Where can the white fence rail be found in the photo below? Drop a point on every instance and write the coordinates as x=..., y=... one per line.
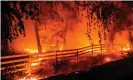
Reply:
x=25, y=60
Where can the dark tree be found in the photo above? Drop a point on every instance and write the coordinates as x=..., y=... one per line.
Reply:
x=12, y=14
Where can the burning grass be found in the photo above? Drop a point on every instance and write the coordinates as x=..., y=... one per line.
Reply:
x=64, y=66
x=47, y=68
x=43, y=68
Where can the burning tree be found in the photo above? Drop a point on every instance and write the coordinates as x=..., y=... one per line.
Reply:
x=12, y=19
x=108, y=17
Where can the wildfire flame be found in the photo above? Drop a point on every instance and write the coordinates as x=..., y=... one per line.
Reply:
x=108, y=59
x=33, y=50
x=125, y=48
x=31, y=78
x=61, y=48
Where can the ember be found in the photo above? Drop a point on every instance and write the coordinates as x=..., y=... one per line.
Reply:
x=108, y=59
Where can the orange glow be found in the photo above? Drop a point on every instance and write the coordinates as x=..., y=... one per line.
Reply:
x=31, y=78
x=61, y=48
x=126, y=47
x=108, y=59
x=34, y=64
x=33, y=50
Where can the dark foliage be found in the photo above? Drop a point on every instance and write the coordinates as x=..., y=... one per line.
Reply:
x=12, y=14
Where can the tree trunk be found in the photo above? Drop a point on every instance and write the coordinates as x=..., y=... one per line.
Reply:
x=38, y=38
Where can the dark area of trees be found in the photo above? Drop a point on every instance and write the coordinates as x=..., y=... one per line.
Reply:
x=12, y=14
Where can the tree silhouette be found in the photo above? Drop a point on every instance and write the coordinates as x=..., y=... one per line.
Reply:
x=12, y=23
x=117, y=12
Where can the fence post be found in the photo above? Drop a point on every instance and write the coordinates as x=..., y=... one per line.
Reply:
x=56, y=58
x=92, y=49
x=77, y=55
x=130, y=48
x=108, y=47
x=101, y=48
x=30, y=64
x=121, y=48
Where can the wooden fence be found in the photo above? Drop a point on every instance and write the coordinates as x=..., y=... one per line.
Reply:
x=23, y=62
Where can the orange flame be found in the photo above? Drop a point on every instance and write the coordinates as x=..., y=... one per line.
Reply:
x=107, y=59
x=31, y=78
x=33, y=50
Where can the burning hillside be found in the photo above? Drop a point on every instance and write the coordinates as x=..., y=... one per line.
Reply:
x=57, y=33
